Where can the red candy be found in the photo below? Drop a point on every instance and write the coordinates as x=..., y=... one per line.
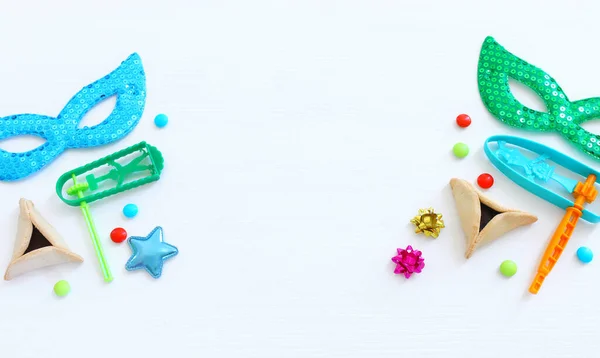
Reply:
x=485, y=181
x=118, y=235
x=463, y=120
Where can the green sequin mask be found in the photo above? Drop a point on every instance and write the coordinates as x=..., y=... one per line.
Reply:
x=496, y=66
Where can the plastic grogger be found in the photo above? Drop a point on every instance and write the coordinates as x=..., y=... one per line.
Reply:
x=583, y=193
x=526, y=172
x=126, y=169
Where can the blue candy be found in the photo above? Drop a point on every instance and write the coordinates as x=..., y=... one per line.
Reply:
x=584, y=254
x=130, y=210
x=161, y=120
x=127, y=83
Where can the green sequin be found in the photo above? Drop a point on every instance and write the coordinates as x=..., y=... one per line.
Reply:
x=496, y=66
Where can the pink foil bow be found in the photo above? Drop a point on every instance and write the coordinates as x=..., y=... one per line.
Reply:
x=408, y=261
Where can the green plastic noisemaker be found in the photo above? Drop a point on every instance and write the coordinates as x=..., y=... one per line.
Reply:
x=126, y=169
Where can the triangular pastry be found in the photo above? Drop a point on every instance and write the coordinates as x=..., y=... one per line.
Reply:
x=482, y=219
x=37, y=245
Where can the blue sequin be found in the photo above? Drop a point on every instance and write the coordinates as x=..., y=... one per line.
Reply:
x=127, y=83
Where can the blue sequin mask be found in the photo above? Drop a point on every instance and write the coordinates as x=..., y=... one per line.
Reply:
x=127, y=83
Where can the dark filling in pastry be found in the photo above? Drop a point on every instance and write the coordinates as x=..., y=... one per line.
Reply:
x=37, y=241
x=487, y=214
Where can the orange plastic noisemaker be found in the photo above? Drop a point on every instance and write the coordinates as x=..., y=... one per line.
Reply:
x=525, y=172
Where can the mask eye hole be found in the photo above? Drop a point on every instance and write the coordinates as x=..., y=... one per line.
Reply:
x=21, y=143
x=592, y=126
x=98, y=113
x=526, y=96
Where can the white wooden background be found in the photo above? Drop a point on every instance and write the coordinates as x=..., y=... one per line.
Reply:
x=303, y=136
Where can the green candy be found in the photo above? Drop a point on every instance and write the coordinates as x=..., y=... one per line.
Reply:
x=460, y=150
x=508, y=268
x=62, y=288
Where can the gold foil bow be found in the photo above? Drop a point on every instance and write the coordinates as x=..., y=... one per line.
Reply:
x=428, y=222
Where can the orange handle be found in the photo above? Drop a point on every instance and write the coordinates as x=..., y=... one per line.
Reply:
x=583, y=193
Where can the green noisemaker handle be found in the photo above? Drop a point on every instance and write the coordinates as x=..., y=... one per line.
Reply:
x=85, y=208
x=497, y=65
x=126, y=169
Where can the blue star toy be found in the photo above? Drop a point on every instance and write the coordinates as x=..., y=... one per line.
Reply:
x=150, y=252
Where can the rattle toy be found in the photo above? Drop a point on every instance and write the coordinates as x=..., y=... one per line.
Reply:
x=482, y=219
x=37, y=245
x=127, y=83
x=527, y=172
x=496, y=66
x=126, y=169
